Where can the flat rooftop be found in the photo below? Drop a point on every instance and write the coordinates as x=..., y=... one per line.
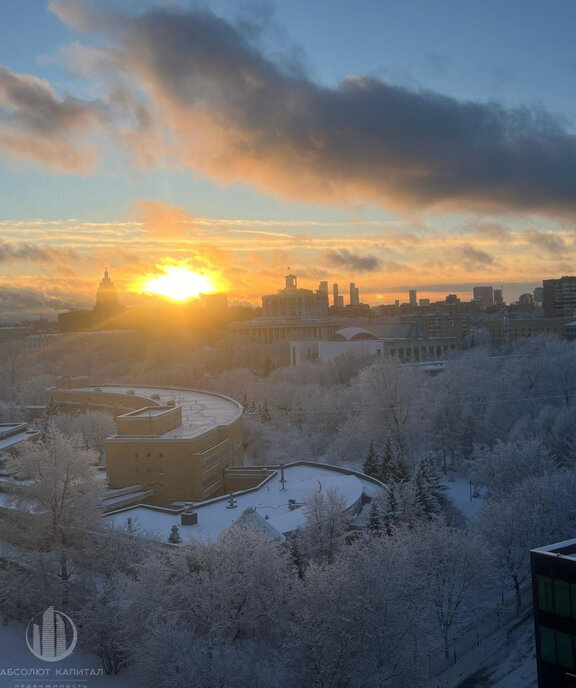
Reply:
x=14, y=433
x=201, y=411
x=269, y=500
x=566, y=548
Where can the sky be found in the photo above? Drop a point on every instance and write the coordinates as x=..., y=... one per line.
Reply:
x=395, y=144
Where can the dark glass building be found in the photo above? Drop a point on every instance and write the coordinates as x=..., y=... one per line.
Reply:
x=554, y=591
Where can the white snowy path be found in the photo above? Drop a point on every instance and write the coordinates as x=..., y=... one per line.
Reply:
x=14, y=654
x=458, y=492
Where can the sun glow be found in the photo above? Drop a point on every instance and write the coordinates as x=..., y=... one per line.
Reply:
x=178, y=283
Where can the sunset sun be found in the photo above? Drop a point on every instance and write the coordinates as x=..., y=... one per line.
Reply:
x=178, y=283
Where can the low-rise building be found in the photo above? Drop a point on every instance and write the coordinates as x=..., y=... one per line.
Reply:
x=273, y=504
x=176, y=442
x=402, y=341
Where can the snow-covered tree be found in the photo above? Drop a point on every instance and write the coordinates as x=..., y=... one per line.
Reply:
x=58, y=495
x=325, y=525
x=371, y=465
x=507, y=464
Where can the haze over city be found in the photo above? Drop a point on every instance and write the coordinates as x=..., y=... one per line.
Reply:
x=287, y=344
x=403, y=145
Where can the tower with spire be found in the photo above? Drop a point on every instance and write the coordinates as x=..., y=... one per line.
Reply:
x=106, y=296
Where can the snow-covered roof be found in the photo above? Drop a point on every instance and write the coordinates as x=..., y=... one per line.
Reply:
x=350, y=333
x=201, y=411
x=279, y=508
x=22, y=434
x=252, y=520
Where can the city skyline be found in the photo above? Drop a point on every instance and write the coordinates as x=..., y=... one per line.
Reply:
x=113, y=155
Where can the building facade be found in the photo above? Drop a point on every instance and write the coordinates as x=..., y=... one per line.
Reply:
x=295, y=302
x=403, y=342
x=176, y=442
x=554, y=595
x=504, y=330
x=559, y=297
x=484, y=295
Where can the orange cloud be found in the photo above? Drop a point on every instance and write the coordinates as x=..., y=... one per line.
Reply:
x=162, y=220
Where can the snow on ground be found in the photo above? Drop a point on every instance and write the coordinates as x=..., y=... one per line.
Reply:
x=504, y=660
x=14, y=654
x=458, y=491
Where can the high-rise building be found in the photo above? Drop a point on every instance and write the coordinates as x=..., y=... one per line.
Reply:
x=484, y=295
x=423, y=302
x=498, y=297
x=413, y=297
x=354, y=294
x=336, y=300
x=538, y=295
x=559, y=297
x=106, y=296
x=323, y=287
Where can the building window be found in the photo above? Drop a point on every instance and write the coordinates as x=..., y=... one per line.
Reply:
x=564, y=650
x=554, y=596
x=545, y=594
x=547, y=645
x=562, y=598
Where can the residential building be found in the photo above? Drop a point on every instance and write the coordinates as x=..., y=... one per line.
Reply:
x=526, y=299
x=504, y=329
x=559, y=297
x=484, y=295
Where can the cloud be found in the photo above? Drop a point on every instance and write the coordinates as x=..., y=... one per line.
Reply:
x=352, y=261
x=23, y=300
x=165, y=220
x=470, y=256
x=546, y=241
x=236, y=115
x=38, y=125
x=15, y=252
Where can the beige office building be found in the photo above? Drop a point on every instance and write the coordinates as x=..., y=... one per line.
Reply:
x=176, y=443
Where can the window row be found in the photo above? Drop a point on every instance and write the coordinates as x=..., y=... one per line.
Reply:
x=557, y=647
x=556, y=596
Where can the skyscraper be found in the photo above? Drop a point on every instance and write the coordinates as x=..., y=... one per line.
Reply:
x=354, y=294
x=413, y=297
x=106, y=296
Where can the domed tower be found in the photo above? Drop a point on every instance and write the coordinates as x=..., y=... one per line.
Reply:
x=106, y=296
